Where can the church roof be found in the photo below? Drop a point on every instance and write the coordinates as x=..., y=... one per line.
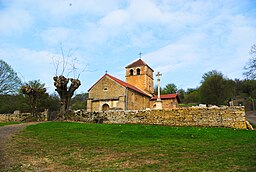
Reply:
x=137, y=63
x=126, y=85
x=167, y=96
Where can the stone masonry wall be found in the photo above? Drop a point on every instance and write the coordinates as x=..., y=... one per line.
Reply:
x=23, y=117
x=231, y=117
x=13, y=117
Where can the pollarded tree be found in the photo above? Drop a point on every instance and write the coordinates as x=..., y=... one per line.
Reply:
x=65, y=86
x=34, y=90
x=65, y=91
x=251, y=65
x=9, y=80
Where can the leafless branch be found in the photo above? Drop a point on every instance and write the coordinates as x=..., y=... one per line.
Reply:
x=56, y=63
x=64, y=60
x=84, y=69
x=68, y=63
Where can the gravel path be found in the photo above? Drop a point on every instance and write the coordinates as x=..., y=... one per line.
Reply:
x=6, y=132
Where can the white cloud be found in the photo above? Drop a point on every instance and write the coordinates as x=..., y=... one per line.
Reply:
x=144, y=11
x=14, y=21
x=57, y=35
x=114, y=19
x=177, y=54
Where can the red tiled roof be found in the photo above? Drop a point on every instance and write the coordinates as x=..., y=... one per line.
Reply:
x=137, y=63
x=167, y=96
x=126, y=85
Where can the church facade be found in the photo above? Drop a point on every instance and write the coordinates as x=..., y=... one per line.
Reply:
x=137, y=93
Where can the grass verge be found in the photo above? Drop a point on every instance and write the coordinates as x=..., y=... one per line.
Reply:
x=57, y=146
x=8, y=123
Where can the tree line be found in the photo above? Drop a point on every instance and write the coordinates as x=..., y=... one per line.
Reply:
x=215, y=89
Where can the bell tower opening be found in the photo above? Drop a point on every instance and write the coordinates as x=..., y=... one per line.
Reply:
x=131, y=72
x=138, y=71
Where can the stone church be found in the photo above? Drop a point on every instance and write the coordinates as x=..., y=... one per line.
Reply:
x=137, y=93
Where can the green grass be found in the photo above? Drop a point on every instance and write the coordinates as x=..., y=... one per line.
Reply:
x=58, y=146
x=8, y=123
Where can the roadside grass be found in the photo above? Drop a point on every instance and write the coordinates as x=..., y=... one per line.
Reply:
x=8, y=123
x=63, y=146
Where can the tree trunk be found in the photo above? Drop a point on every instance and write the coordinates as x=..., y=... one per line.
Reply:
x=65, y=92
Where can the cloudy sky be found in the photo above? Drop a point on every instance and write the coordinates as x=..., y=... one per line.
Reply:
x=183, y=39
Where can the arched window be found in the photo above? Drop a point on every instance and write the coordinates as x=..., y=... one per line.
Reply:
x=131, y=72
x=138, y=71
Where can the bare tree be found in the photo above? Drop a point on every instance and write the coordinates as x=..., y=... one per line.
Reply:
x=65, y=86
x=251, y=64
x=9, y=80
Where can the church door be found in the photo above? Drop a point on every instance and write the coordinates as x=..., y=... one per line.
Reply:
x=105, y=107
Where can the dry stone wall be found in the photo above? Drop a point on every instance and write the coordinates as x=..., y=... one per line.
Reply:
x=23, y=117
x=231, y=117
x=13, y=117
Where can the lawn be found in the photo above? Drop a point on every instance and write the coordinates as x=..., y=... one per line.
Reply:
x=8, y=123
x=63, y=146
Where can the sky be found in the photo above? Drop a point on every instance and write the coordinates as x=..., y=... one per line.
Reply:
x=182, y=39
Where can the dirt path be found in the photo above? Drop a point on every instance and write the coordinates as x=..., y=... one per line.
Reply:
x=251, y=117
x=6, y=132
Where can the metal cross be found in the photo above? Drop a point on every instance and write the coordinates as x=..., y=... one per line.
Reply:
x=106, y=71
x=140, y=54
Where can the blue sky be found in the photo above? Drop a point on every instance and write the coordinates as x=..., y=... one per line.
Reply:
x=183, y=39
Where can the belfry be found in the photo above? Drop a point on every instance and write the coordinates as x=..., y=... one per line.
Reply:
x=140, y=75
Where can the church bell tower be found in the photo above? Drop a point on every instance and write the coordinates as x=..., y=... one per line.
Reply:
x=140, y=75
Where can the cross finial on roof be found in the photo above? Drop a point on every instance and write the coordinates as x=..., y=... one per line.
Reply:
x=140, y=54
x=106, y=72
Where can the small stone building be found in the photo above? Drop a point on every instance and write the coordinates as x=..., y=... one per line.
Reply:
x=169, y=101
x=137, y=93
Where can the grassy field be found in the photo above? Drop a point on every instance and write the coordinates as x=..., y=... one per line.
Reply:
x=8, y=123
x=56, y=146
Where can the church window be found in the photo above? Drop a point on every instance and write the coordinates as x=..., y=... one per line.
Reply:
x=138, y=71
x=131, y=72
x=105, y=89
